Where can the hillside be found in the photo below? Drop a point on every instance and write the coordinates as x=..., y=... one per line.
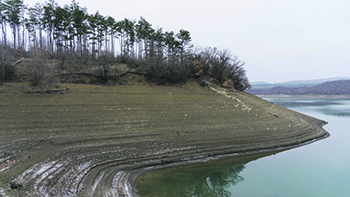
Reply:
x=95, y=140
x=296, y=83
x=341, y=87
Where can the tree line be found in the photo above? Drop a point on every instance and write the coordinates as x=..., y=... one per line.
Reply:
x=70, y=34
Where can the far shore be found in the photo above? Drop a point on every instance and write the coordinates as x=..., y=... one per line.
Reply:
x=305, y=96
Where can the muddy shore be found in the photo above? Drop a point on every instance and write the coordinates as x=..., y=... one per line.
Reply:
x=96, y=140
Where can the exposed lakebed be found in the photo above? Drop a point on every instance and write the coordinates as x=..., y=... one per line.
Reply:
x=95, y=140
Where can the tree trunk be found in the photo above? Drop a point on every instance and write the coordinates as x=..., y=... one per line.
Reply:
x=23, y=45
x=146, y=48
x=93, y=50
x=85, y=44
x=51, y=41
x=3, y=25
x=112, y=44
x=121, y=45
x=18, y=36
x=2, y=73
x=48, y=42
x=29, y=42
x=79, y=45
x=14, y=38
x=40, y=37
x=106, y=43
x=2, y=62
x=140, y=50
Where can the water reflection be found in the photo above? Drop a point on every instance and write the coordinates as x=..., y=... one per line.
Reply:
x=343, y=112
x=295, y=102
x=194, y=182
x=333, y=107
x=209, y=179
x=217, y=182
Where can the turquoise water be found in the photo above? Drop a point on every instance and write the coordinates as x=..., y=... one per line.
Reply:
x=320, y=169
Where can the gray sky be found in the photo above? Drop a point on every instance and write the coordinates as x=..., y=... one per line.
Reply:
x=280, y=40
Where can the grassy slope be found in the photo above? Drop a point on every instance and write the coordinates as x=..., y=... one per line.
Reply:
x=76, y=143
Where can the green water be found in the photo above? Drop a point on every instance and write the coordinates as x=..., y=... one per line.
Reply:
x=320, y=169
x=211, y=178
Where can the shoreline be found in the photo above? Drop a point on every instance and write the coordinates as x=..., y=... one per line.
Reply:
x=129, y=178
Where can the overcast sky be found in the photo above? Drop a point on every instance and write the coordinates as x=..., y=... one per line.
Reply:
x=279, y=40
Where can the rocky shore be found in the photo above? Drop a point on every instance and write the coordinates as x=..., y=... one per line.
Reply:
x=96, y=140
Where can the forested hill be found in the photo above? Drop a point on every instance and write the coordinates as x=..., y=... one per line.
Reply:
x=55, y=41
x=341, y=87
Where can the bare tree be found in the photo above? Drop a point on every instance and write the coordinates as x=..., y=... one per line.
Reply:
x=224, y=67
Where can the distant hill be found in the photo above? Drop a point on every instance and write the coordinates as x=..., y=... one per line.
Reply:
x=297, y=83
x=340, y=87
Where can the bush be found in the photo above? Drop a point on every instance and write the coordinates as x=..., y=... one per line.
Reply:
x=36, y=71
x=7, y=72
x=131, y=62
x=36, y=78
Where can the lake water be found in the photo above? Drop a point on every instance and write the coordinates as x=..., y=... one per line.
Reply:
x=320, y=169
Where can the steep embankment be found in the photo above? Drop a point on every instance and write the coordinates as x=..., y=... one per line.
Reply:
x=95, y=140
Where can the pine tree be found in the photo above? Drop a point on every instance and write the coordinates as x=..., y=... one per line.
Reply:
x=13, y=10
x=3, y=22
x=79, y=18
x=48, y=23
x=34, y=23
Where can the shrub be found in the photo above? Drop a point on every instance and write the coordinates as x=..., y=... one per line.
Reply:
x=198, y=69
x=36, y=71
x=36, y=78
x=7, y=72
x=131, y=62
